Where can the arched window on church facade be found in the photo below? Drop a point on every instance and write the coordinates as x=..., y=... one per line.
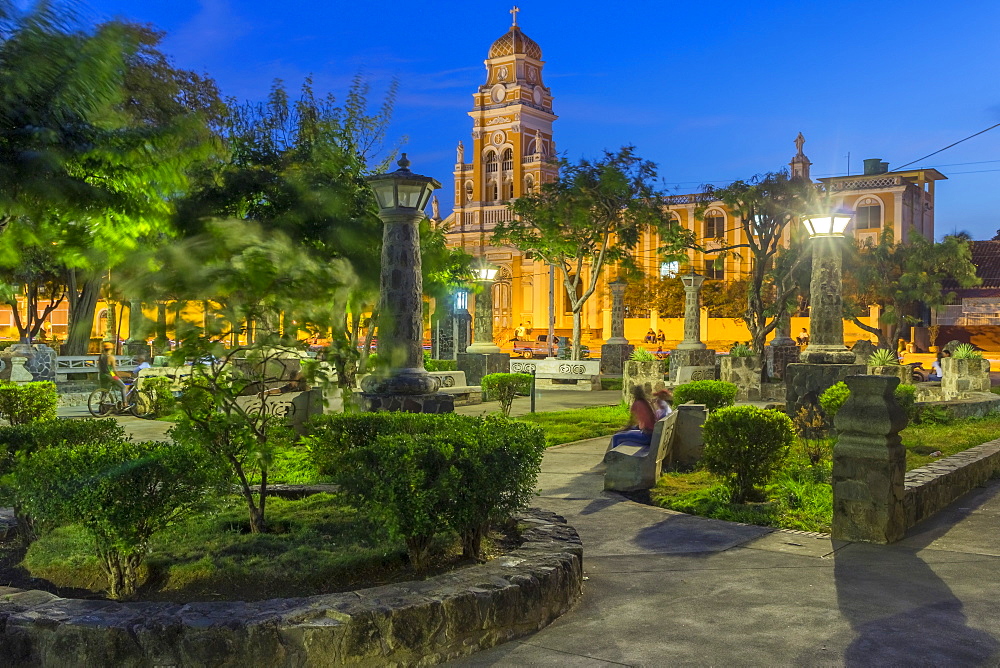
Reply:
x=491, y=162
x=529, y=184
x=868, y=214
x=494, y=190
x=507, y=160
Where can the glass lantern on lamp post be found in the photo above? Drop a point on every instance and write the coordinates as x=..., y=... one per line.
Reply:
x=402, y=196
x=826, y=317
x=482, y=324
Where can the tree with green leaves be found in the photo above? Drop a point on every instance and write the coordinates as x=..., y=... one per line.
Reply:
x=899, y=277
x=593, y=214
x=765, y=208
x=97, y=134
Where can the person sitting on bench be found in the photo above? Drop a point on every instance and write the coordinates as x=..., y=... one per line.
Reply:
x=642, y=417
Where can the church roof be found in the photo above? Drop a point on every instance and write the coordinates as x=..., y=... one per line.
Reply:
x=515, y=42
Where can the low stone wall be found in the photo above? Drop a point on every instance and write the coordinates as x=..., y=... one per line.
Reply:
x=973, y=404
x=424, y=622
x=930, y=488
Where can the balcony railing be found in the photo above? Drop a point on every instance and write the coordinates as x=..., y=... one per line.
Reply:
x=868, y=184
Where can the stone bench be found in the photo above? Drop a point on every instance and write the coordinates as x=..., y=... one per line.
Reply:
x=633, y=467
x=552, y=374
x=455, y=383
x=295, y=407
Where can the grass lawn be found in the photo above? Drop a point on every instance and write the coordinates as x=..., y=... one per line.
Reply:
x=578, y=424
x=800, y=497
x=317, y=545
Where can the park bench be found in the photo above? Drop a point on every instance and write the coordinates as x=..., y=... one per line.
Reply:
x=632, y=467
x=455, y=384
x=295, y=407
x=73, y=365
x=554, y=374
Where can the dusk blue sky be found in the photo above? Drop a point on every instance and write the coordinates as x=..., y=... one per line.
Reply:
x=710, y=91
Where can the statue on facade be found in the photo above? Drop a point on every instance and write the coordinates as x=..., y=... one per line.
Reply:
x=799, y=141
x=435, y=209
x=460, y=153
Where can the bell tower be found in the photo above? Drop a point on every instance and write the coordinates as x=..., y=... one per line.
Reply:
x=511, y=134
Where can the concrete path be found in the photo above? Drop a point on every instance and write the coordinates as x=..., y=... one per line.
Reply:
x=667, y=589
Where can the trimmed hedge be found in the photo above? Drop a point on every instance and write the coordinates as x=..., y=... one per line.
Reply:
x=746, y=446
x=22, y=403
x=714, y=394
x=425, y=474
x=836, y=395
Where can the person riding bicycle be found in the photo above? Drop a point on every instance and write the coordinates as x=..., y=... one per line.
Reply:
x=107, y=370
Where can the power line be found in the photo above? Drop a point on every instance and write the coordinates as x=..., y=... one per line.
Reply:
x=996, y=125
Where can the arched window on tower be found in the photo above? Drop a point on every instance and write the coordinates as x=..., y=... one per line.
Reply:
x=494, y=189
x=491, y=162
x=868, y=215
x=469, y=189
x=529, y=184
x=508, y=188
x=507, y=160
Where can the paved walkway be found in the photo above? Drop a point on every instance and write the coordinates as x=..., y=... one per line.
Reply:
x=667, y=589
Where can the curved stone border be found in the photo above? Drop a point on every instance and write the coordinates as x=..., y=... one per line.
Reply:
x=425, y=621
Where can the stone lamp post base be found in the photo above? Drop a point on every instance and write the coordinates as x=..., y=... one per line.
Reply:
x=477, y=365
x=820, y=354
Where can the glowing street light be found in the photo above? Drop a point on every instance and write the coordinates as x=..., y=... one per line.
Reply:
x=826, y=313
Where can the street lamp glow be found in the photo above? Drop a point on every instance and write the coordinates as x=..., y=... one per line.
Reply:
x=402, y=189
x=486, y=272
x=830, y=224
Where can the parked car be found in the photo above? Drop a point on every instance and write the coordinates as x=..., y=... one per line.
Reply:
x=540, y=347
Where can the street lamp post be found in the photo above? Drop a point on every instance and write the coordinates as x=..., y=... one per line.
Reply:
x=402, y=196
x=482, y=334
x=826, y=317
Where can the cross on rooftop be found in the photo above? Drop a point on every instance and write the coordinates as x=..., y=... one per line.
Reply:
x=513, y=13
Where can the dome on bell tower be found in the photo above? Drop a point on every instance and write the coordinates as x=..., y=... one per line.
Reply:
x=515, y=42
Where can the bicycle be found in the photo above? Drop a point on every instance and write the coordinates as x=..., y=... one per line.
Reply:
x=103, y=401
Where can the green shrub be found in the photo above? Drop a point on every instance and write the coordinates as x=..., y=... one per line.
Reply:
x=741, y=350
x=427, y=473
x=121, y=492
x=746, y=446
x=21, y=403
x=834, y=397
x=883, y=357
x=933, y=415
x=330, y=436
x=159, y=390
x=616, y=384
x=642, y=355
x=21, y=441
x=966, y=351
x=497, y=471
x=503, y=387
x=715, y=394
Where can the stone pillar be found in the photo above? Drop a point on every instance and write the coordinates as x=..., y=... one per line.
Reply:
x=782, y=350
x=406, y=385
x=826, y=314
x=691, y=351
x=616, y=349
x=161, y=345
x=869, y=463
x=482, y=322
x=110, y=319
x=136, y=342
x=692, y=312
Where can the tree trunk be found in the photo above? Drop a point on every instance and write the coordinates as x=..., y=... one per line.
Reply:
x=122, y=571
x=81, y=315
x=472, y=541
x=576, y=333
x=882, y=342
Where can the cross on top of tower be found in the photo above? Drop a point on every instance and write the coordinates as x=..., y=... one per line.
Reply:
x=513, y=12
